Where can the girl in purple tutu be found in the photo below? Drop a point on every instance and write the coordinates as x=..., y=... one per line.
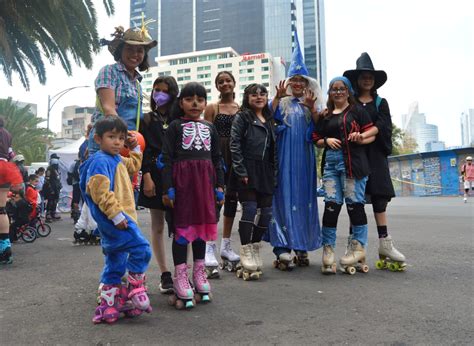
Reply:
x=193, y=180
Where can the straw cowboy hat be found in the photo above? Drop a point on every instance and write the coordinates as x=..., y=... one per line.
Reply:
x=364, y=64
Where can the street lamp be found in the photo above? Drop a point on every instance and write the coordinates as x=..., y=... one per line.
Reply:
x=52, y=100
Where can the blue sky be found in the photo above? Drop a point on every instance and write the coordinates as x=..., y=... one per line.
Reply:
x=426, y=48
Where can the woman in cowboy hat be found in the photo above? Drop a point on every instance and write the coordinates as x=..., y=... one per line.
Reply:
x=379, y=190
x=295, y=224
x=118, y=85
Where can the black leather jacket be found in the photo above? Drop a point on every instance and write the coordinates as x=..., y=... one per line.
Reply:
x=249, y=138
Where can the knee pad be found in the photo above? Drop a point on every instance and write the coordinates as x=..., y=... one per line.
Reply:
x=379, y=205
x=230, y=206
x=331, y=214
x=249, y=210
x=357, y=214
x=3, y=210
x=265, y=217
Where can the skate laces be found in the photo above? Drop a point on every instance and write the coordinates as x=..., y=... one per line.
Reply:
x=183, y=280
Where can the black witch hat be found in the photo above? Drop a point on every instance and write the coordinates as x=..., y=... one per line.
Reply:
x=364, y=64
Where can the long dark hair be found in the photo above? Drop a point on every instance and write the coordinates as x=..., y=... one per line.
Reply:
x=252, y=89
x=142, y=67
x=230, y=75
x=173, y=90
x=189, y=90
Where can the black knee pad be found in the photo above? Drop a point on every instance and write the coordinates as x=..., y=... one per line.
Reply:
x=230, y=206
x=357, y=214
x=379, y=205
x=249, y=210
x=3, y=210
x=331, y=214
x=265, y=217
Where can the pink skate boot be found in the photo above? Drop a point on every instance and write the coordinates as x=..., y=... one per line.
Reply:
x=201, y=285
x=183, y=296
x=137, y=294
x=108, y=308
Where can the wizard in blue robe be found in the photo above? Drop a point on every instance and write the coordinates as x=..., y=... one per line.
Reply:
x=295, y=223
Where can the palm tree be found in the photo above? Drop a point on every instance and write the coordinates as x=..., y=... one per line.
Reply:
x=31, y=29
x=29, y=139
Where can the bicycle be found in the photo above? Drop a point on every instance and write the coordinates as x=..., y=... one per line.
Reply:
x=41, y=227
x=27, y=233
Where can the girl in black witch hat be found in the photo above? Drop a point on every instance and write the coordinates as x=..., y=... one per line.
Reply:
x=379, y=189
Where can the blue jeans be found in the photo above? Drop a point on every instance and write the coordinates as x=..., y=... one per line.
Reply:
x=337, y=189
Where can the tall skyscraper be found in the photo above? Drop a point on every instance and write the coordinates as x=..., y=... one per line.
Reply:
x=248, y=26
x=414, y=123
x=467, y=128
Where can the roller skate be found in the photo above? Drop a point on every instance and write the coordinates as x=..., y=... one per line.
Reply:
x=201, y=285
x=183, y=296
x=301, y=259
x=390, y=257
x=81, y=237
x=212, y=266
x=136, y=292
x=166, y=283
x=229, y=258
x=354, y=259
x=247, y=269
x=284, y=262
x=94, y=238
x=55, y=216
x=329, y=265
x=257, y=258
x=6, y=256
x=108, y=309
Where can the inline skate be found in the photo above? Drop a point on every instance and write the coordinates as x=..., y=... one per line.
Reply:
x=108, y=308
x=354, y=259
x=390, y=257
x=136, y=292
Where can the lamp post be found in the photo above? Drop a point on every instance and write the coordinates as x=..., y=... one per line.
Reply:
x=52, y=100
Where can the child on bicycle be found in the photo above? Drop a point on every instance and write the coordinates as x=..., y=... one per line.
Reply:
x=32, y=195
x=20, y=212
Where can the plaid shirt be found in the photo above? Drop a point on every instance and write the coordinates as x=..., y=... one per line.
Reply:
x=127, y=91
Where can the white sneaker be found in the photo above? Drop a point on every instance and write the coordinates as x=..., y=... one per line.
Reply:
x=227, y=252
x=210, y=259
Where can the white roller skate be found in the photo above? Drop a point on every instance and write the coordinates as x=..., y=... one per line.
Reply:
x=183, y=296
x=390, y=257
x=354, y=259
x=247, y=269
x=229, y=258
x=257, y=258
x=329, y=265
x=212, y=266
x=284, y=262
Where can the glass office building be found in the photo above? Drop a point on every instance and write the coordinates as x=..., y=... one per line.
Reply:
x=248, y=26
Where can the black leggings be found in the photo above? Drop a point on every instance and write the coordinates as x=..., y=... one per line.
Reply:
x=180, y=252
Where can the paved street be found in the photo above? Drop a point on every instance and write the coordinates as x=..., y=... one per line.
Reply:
x=48, y=294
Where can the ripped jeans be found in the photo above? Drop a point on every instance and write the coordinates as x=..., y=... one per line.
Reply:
x=337, y=189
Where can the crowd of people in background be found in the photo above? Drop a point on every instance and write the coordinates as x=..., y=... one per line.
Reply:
x=197, y=159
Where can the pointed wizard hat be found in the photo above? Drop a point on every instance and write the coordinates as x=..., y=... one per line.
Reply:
x=364, y=64
x=298, y=68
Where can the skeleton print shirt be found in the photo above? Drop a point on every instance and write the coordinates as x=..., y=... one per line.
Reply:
x=188, y=139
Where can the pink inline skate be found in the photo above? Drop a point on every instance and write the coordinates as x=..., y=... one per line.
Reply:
x=108, y=309
x=137, y=294
x=183, y=296
x=201, y=284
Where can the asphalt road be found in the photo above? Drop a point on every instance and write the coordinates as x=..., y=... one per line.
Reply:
x=47, y=296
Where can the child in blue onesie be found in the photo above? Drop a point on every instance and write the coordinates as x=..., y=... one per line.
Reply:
x=105, y=183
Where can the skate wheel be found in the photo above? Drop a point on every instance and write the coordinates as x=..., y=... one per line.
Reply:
x=364, y=268
x=221, y=266
x=379, y=264
x=172, y=300
x=246, y=276
x=393, y=267
x=275, y=264
x=179, y=304
x=239, y=273
x=350, y=270
x=282, y=266
x=255, y=276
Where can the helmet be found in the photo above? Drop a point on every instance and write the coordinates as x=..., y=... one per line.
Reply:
x=469, y=158
x=18, y=158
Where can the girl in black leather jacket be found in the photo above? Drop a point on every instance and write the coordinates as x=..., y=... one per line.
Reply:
x=253, y=173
